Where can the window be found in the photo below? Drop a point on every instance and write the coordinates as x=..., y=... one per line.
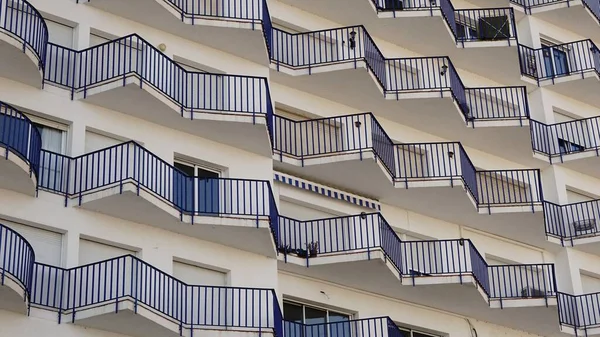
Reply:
x=92, y=251
x=556, y=61
x=192, y=274
x=196, y=189
x=407, y=332
x=325, y=323
x=59, y=33
x=566, y=147
x=52, y=163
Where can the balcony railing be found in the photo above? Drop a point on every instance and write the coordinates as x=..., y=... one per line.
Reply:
x=25, y=24
x=350, y=45
x=579, y=311
x=489, y=24
x=368, y=233
x=572, y=221
x=592, y=5
x=117, y=60
x=129, y=278
x=19, y=136
x=562, y=139
x=548, y=63
x=130, y=163
x=366, y=327
x=404, y=163
x=16, y=259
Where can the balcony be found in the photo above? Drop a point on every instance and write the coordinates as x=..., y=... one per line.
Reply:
x=422, y=92
x=445, y=274
x=238, y=27
x=128, y=296
x=132, y=76
x=367, y=327
x=480, y=34
x=20, y=145
x=571, y=69
x=574, y=144
x=129, y=182
x=16, y=266
x=355, y=153
x=574, y=224
x=23, y=40
x=579, y=16
x=579, y=315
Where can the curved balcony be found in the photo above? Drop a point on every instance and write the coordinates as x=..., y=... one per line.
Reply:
x=20, y=145
x=440, y=23
x=129, y=182
x=344, y=150
x=572, y=69
x=237, y=27
x=22, y=43
x=421, y=92
x=445, y=274
x=16, y=267
x=128, y=296
x=579, y=16
x=132, y=76
x=575, y=144
x=574, y=224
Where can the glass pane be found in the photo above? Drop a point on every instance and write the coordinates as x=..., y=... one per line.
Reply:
x=292, y=312
x=404, y=333
x=418, y=334
x=315, y=320
x=339, y=325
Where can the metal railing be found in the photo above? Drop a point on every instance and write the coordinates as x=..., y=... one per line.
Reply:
x=128, y=278
x=130, y=163
x=132, y=57
x=579, y=311
x=17, y=259
x=350, y=45
x=561, y=139
x=19, y=136
x=366, y=327
x=572, y=221
x=405, y=163
x=370, y=232
x=573, y=58
x=26, y=25
x=592, y=5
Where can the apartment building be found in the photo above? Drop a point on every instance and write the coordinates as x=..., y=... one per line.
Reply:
x=299, y=168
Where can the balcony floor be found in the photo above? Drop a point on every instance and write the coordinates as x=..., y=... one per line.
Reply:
x=239, y=232
x=581, y=87
x=444, y=293
x=573, y=17
x=14, y=174
x=11, y=296
x=17, y=65
x=235, y=37
x=150, y=104
x=587, y=163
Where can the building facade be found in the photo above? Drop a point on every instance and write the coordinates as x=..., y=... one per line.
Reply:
x=295, y=168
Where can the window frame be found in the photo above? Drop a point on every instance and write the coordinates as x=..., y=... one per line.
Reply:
x=304, y=305
x=64, y=129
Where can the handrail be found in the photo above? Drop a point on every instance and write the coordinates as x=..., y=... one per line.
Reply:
x=131, y=55
x=16, y=259
x=19, y=134
x=593, y=6
x=572, y=58
x=368, y=232
x=353, y=44
x=131, y=163
x=127, y=277
x=25, y=23
x=572, y=221
x=404, y=163
x=366, y=327
x=560, y=139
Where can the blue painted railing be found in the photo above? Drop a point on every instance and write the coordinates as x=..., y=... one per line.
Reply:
x=366, y=327
x=17, y=259
x=561, y=139
x=465, y=24
x=371, y=232
x=19, y=136
x=132, y=56
x=548, y=63
x=579, y=311
x=592, y=5
x=404, y=163
x=24, y=23
x=572, y=221
x=350, y=45
x=130, y=163
x=129, y=278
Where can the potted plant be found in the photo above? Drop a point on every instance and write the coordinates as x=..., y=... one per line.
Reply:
x=286, y=250
x=313, y=248
x=303, y=253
